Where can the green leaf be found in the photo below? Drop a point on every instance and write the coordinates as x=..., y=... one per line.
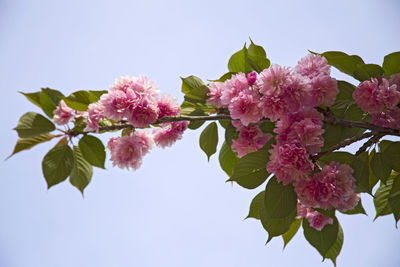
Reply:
x=360, y=166
x=391, y=155
x=209, y=139
x=257, y=58
x=194, y=89
x=225, y=77
x=380, y=167
x=227, y=159
x=238, y=62
x=338, y=156
x=93, y=150
x=345, y=96
x=343, y=62
x=28, y=143
x=80, y=100
x=337, y=246
x=329, y=213
x=255, y=206
x=32, y=124
x=230, y=134
x=291, y=232
x=57, y=164
x=391, y=64
x=276, y=227
x=98, y=94
x=49, y=99
x=323, y=240
x=250, y=170
x=267, y=127
x=366, y=71
x=279, y=200
x=381, y=196
x=33, y=98
x=394, y=198
x=82, y=171
x=373, y=180
x=358, y=209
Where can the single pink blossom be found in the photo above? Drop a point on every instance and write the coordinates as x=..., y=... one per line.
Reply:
x=290, y=163
x=245, y=107
x=323, y=90
x=168, y=106
x=318, y=220
x=232, y=87
x=312, y=66
x=62, y=114
x=143, y=115
x=301, y=210
x=214, y=94
x=112, y=143
x=169, y=133
x=115, y=104
x=250, y=139
x=274, y=81
x=94, y=115
x=388, y=119
x=251, y=78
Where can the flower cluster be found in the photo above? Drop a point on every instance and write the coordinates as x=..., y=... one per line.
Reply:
x=62, y=114
x=288, y=97
x=316, y=219
x=380, y=98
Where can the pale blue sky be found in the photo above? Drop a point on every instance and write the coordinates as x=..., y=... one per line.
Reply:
x=177, y=209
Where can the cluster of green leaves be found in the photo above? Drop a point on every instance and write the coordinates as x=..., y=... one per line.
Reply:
x=63, y=160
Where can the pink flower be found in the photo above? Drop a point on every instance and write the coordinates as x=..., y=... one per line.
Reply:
x=116, y=104
x=274, y=80
x=141, y=85
x=236, y=84
x=318, y=220
x=95, y=114
x=290, y=163
x=127, y=151
x=324, y=90
x=168, y=106
x=395, y=79
x=169, y=133
x=251, y=78
x=388, y=119
x=112, y=143
x=215, y=93
x=143, y=114
x=333, y=187
x=312, y=66
x=250, y=139
x=245, y=107
x=272, y=107
x=62, y=114
x=301, y=210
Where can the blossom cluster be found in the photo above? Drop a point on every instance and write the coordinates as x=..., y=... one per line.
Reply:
x=288, y=97
x=380, y=97
x=135, y=100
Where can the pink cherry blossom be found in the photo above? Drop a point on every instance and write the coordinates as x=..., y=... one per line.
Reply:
x=318, y=220
x=168, y=106
x=388, y=119
x=236, y=84
x=323, y=90
x=290, y=163
x=312, y=66
x=215, y=93
x=245, y=107
x=274, y=81
x=251, y=78
x=169, y=133
x=94, y=115
x=143, y=114
x=250, y=139
x=62, y=114
x=115, y=104
x=127, y=151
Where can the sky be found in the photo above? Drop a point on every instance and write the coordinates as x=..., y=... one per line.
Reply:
x=176, y=210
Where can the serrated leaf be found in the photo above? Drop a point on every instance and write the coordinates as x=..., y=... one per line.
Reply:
x=291, y=232
x=98, y=94
x=230, y=134
x=209, y=139
x=227, y=159
x=80, y=100
x=194, y=89
x=33, y=98
x=391, y=155
x=255, y=206
x=366, y=71
x=82, y=171
x=257, y=58
x=28, y=143
x=394, y=198
x=337, y=246
x=323, y=240
x=358, y=209
x=250, y=170
x=338, y=156
x=380, y=167
x=225, y=77
x=391, y=64
x=373, y=180
x=381, y=196
x=276, y=227
x=345, y=96
x=345, y=63
x=238, y=62
x=49, y=99
x=93, y=150
x=360, y=166
x=32, y=124
x=57, y=164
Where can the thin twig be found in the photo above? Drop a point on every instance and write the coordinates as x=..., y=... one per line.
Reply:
x=374, y=139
